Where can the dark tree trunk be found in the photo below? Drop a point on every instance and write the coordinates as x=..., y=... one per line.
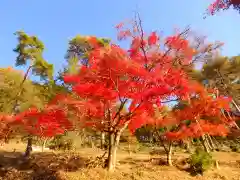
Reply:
x=205, y=144
x=29, y=147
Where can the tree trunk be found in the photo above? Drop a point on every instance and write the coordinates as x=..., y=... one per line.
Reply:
x=207, y=140
x=114, y=157
x=44, y=144
x=212, y=145
x=16, y=110
x=169, y=154
x=188, y=148
x=112, y=150
x=216, y=164
x=29, y=147
x=102, y=140
x=236, y=106
x=129, y=149
x=116, y=143
x=216, y=142
x=150, y=138
x=205, y=145
x=168, y=149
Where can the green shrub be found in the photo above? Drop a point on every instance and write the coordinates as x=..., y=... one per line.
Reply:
x=200, y=161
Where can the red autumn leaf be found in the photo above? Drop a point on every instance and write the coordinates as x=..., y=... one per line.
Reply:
x=153, y=39
x=120, y=25
x=93, y=42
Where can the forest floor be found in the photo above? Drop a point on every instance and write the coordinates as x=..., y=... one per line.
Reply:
x=134, y=166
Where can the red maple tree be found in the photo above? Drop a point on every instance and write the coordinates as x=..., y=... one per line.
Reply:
x=141, y=76
x=200, y=116
x=54, y=119
x=48, y=122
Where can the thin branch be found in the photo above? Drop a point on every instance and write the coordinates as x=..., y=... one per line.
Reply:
x=21, y=89
x=160, y=139
x=120, y=109
x=140, y=30
x=127, y=117
x=168, y=101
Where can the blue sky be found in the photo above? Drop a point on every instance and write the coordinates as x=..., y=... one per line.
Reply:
x=55, y=22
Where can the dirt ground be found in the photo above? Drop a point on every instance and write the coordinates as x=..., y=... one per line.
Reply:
x=135, y=166
x=142, y=166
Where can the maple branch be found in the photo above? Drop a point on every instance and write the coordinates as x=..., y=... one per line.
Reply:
x=119, y=96
x=140, y=30
x=170, y=100
x=124, y=127
x=109, y=119
x=202, y=133
x=116, y=87
x=120, y=108
x=160, y=139
x=127, y=116
x=170, y=48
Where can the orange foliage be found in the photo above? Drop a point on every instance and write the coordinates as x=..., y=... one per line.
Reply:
x=46, y=123
x=205, y=116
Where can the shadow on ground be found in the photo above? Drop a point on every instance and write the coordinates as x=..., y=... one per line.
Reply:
x=39, y=166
